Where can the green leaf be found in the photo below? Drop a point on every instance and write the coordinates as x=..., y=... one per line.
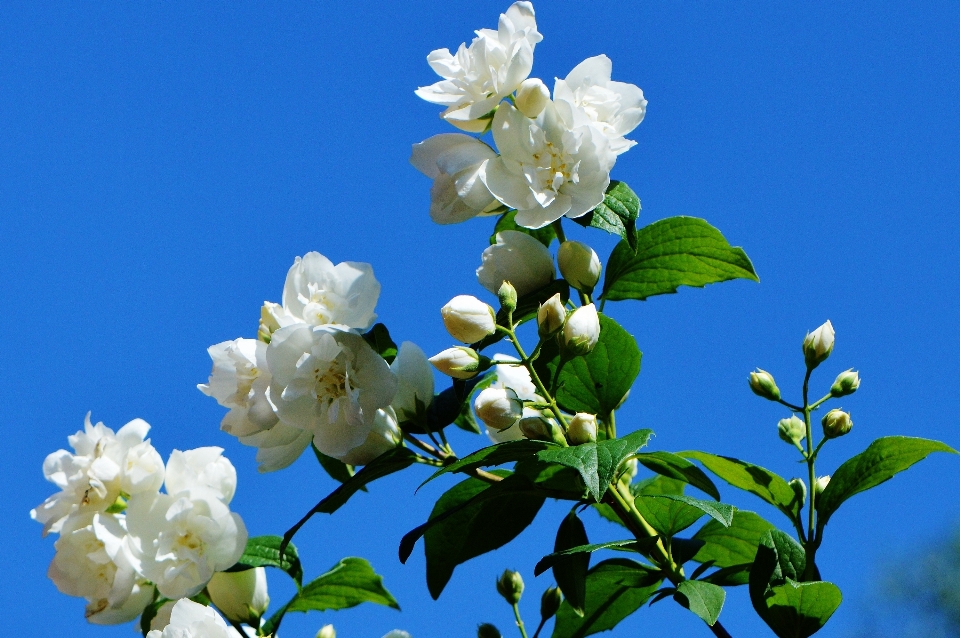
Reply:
x=379, y=339
x=702, y=598
x=337, y=469
x=598, y=382
x=617, y=214
x=882, y=459
x=752, y=478
x=492, y=455
x=150, y=612
x=631, y=544
x=264, y=551
x=720, y=512
x=667, y=516
x=673, y=252
x=570, y=570
x=615, y=589
x=527, y=307
x=730, y=576
x=733, y=545
x=684, y=549
x=557, y=481
x=677, y=467
x=597, y=462
x=507, y=221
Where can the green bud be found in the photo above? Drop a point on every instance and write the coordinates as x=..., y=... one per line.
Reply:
x=550, y=603
x=836, y=423
x=486, y=630
x=792, y=430
x=763, y=385
x=818, y=345
x=846, y=383
x=508, y=296
x=800, y=489
x=510, y=586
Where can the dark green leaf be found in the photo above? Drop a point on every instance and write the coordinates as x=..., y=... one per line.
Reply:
x=544, y=235
x=702, y=598
x=150, y=612
x=882, y=459
x=730, y=576
x=733, y=545
x=527, y=307
x=720, y=512
x=615, y=589
x=570, y=571
x=684, y=549
x=751, y=478
x=673, y=252
x=497, y=454
x=557, y=481
x=597, y=463
x=264, y=551
x=379, y=339
x=549, y=560
x=679, y=468
x=337, y=469
x=617, y=214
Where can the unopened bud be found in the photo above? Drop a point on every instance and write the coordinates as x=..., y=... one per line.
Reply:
x=579, y=265
x=532, y=97
x=550, y=603
x=459, y=362
x=818, y=345
x=763, y=385
x=792, y=430
x=468, y=319
x=847, y=383
x=800, y=489
x=510, y=586
x=821, y=484
x=582, y=428
x=498, y=408
x=508, y=296
x=836, y=423
x=327, y=631
x=551, y=316
x=581, y=332
x=240, y=596
x=629, y=471
x=540, y=428
x=486, y=630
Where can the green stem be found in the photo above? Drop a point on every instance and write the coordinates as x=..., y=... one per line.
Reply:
x=558, y=229
x=516, y=614
x=611, y=425
x=811, y=522
x=794, y=408
x=528, y=364
x=817, y=404
x=543, y=621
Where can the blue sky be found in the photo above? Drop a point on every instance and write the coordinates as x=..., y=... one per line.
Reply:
x=161, y=164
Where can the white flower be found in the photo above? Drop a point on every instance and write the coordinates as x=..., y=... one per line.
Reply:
x=518, y=258
x=468, y=319
x=457, y=362
x=319, y=293
x=579, y=265
x=203, y=467
x=240, y=381
x=532, y=97
x=491, y=68
x=92, y=563
x=414, y=381
x=193, y=620
x=588, y=96
x=240, y=596
x=384, y=436
x=453, y=161
x=103, y=464
x=279, y=446
x=330, y=383
x=581, y=332
x=547, y=170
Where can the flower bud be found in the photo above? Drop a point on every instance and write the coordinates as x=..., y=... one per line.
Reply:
x=532, y=97
x=763, y=385
x=629, y=471
x=836, y=423
x=581, y=332
x=847, y=383
x=540, y=428
x=459, y=362
x=551, y=316
x=582, y=428
x=818, y=345
x=486, y=630
x=240, y=596
x=468, y=319
x=508, y=296
x=821, y=484
x=792, y=430
x=510, y=586
x=800, y=489
x=579, y=265
x=498, y=408
x=327, y=631
x=550, y=603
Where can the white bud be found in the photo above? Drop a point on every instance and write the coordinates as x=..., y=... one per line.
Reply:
x=457, y=362
x=579, y=265
x=327, y=631
x=240, y=596
x=551, y=316
x=818, y=345
x=532, y=97
x=582, y=330
x=763, y=385
x=821, y=484
x=582, y=428
x=847, y=383
x=836, y=423
x=498, y=408
x=792, y=430
x=468, y=319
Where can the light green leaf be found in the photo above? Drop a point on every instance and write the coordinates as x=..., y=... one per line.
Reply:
x=702, y=598
x=673, y=252
x=570, y=571
x=492, y=455
x=264, y=551
x=884, y=458
x=677, y=467
x=507, y=221
x=597, y=462
x=720, y=512
x=667, y=516
x=616, y=214
x=732, y=545
x=798, y=610
x=631, y=544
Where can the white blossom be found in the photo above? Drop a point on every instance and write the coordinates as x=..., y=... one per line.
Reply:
x=204, y=468
x=384, y=436
x=547, y=170
x=491, y=68
x=328, y=382
x=454, y=161
x=279, y=446
x=193, y=620
x=240, y=381
x=414, y=381
x=518, y=258
x=318, y=293
x=588, y=96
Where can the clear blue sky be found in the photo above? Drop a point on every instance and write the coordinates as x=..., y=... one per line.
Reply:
x=161, y=164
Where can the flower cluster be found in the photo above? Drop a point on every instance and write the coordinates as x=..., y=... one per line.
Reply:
x=553, y=156
x=311, y=377
x=121, y=539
